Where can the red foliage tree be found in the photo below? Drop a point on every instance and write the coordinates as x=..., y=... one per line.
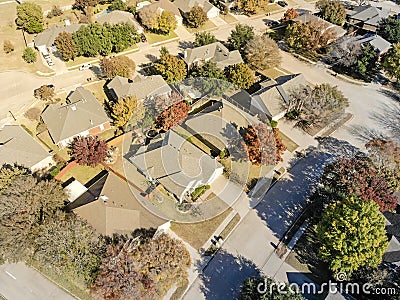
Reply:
x=173, y=115
x=263, y=145
x=290, y=14
x=348, y=176
x=88, y=151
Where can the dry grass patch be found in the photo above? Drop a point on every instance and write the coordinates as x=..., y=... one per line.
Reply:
x=197, y=234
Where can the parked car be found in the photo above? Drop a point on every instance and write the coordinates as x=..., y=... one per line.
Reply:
x=143, y=38
x=85, y=67
x=272, y=23
x=49, y=61
x=282, y=3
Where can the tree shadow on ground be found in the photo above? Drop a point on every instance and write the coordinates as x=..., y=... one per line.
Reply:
x=151, y=57
x=390, y=94
x=286, y=199
x=389, y=119
x=185, y=44
x=224, y=275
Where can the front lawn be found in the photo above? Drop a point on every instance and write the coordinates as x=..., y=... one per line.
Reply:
x=153, y=38
x=82, y=173
x=229, y=18
x=289, y=143
x=197, y=234
x=208, y=26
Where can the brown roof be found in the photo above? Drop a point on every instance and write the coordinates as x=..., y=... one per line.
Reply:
x=116, y=210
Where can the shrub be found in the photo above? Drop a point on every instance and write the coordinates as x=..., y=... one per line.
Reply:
x=8, y=47
x=199, y=191
x=273, y=123
x=29, y=55
x=33, y=114
x=55, y=12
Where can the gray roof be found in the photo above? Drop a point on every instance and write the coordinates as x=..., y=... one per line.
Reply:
x=215, y=52
x=141, y=86
x=48, y=36
x=274, y=98
x=369, y=14
x=379, y=43
x=165, y=5
x=174, y=162
x=118, y=17
x=307, y=17
x=17, y=146
x=81, y=114
x=186, y=5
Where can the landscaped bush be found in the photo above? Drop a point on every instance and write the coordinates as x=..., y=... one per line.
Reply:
x=29, y=55
x=199, y=191
x=292, y=115
x=224, y=153
x=8, y=47
x=273, y=123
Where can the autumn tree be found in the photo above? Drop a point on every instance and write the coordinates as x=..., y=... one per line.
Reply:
x=117, y=66
x=391, y=62
x=262, y=52
x=55, y=11
x=240, y=36
x=148, y=17
x=30, y=17
x=141, y=268
x=170, y=67
x=8, y=173
x=86, y=6
x=88, y=151
x=66, y=46
x=345, y=52
x=358, y=176
x=273, y=290
x=352, y=234
x=317, y=105
x=260, y=142
x=250, y=7
x=240, y=75
x=122, y=110
x=25, y=205
x=197, y=17
x=70, y=247
x=166, y=22
x=309, y=36
x=289, y=15
x=8, y=46
x=385, y=155
x=45, y=93
x=162, y=23
x=29, y=55
x=389, y=29
x=204, y=38
x=173, y=115
x=332, y=11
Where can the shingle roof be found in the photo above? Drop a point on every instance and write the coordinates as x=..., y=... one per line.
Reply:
x=376, y=41
x=307, y=17
x=174, y=162
x=216, y=52
x=369, y=14
x=48, y=36
x=273, y=98
x=186, y=5
x=141, y=86
x=118, y=17
x=17, y=146
x=121, y=213
x=67, y=120
x=166, y=5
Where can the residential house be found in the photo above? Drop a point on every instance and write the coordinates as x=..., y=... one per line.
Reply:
x=44, y=41
x=215, y=52
x=118, y=17
x=186, y=5
x=380, y=45
x=18, y=147
x=83, y=115
x=392, y=254
x=272, y=99
x=176, y=164
x=163, y=5
x=108, y=204
x=141, y=87
x=367, y=17
x=308, y=17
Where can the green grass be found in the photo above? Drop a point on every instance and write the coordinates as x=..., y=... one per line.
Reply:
x=82, y=173
x=290, y=144
x=77, y=62
x=197, y=234
x=208, y=26
x=272, y=73
x=98, y=90
x=153, y=38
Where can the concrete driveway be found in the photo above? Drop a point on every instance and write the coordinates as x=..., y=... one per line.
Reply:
x=17, y=282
